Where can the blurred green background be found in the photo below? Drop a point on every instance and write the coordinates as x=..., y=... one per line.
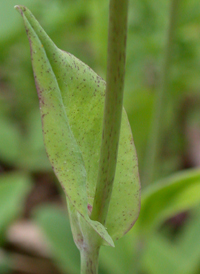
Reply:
x=35, y=234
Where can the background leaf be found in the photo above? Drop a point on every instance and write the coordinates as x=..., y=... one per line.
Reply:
x=56, y=228
x=14, y=188
x=178, y=257
x=10, y=141
x=168, y=197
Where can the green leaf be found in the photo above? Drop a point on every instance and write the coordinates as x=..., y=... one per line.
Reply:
x=9, y=29
x=10, y=141
x=56, y=228
x=188, y=242
x=168, y=197
x=33, y=156
x=83, y=229
x=121, y=259
x=71, y=99
x=178, y=257
x=161, y=256
x=14, y=188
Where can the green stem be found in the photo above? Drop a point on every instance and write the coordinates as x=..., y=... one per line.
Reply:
x=117, y=34
x=89, y=261
x=155, y=137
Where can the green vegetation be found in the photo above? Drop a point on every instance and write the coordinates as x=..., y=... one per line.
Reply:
x=158, y=243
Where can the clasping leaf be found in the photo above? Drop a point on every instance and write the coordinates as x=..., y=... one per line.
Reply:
x=71, y=97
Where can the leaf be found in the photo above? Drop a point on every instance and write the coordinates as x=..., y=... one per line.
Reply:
x=82, y=232
x=62, y=148
x=56, y=228
x=9, y=29
x=179, y=257
x=33, y=156
x=10, y=141
x=188, y=242
x=121, y=259
x=168, y=197
x=71, y=99
x=161, y=256
x=14, y=188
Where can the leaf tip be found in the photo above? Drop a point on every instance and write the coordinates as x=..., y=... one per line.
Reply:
x=112, y=244
x=20, y=9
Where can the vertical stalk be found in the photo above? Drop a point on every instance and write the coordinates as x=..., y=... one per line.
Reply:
x=117, y=33
x=89, y=261
x=153, y=144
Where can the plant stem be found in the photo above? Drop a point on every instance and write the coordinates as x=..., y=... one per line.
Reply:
x=89, y=261
x=155, y=137
x=111, y=124
x=117, y=34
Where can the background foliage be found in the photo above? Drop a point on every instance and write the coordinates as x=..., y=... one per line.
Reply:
x=35, y=236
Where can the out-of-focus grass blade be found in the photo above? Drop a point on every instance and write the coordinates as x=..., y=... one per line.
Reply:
x=167, y=197
x=56, y=228
x=161, y=256
x=189, y=242
x=10, y=141
x=14, y=188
